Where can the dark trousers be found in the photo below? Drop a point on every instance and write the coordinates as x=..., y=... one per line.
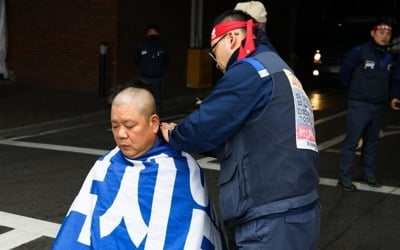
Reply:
x=298, y=231
x=364, y=121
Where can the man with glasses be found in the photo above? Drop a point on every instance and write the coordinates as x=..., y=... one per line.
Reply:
x=259, y=124
x=211, y=53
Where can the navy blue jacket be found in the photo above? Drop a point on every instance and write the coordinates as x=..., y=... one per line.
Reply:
x=250, y=123
x=151, y=58
x=369, y=71
x=239, y=96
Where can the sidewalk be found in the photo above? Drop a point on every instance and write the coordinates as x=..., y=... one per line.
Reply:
x=23, y=105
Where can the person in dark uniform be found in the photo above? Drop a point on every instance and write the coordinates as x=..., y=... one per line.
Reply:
x=367, y=72
x=152, y=59
x=259, y=124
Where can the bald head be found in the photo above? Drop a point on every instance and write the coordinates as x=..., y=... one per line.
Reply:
x=134, y=121
x=141, y=98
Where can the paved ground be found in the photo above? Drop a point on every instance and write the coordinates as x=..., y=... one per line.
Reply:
x=21, y=105
x=367, y=219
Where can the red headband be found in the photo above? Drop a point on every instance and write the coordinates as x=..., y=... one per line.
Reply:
x=224, y=27
x=382, y=27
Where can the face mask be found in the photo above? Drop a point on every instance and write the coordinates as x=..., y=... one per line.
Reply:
x=153, y=37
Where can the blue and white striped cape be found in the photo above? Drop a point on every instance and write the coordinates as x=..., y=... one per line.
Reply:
x=157, y=201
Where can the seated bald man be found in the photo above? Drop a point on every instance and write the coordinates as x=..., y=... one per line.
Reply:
x=142, y=194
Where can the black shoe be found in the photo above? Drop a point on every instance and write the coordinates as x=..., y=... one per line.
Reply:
x=347, y=186
x=372, y=181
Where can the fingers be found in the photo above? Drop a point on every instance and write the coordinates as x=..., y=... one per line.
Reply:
x=198, y=101
x=166, y=125
x=166, y=129
x=395, y=104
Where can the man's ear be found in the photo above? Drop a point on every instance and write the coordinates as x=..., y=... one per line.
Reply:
x=235, y=38
x=155, y=121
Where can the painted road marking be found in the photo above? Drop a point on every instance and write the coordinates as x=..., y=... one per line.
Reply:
x=81, y=150
x=25, y=229
x=205, y=162
x=328, y=118
x=16, y=237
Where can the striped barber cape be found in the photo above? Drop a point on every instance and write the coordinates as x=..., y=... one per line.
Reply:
x=157, y=201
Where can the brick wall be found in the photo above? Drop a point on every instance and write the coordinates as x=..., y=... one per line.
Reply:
x=56, y=44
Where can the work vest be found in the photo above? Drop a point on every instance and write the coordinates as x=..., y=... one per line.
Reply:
x=370, y=81
x=269, y=167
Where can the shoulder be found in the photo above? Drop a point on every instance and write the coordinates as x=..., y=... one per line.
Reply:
x=355, y=54
x=242, y=70
x=247, y=69
x=358, y=48
x=361, y=47
x=141, y=45
x=163, y=46
x=242, y=77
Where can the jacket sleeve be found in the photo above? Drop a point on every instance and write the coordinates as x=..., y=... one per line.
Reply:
x=167, y=55
x=349, y=65
x=223, y=112
x=137, y=54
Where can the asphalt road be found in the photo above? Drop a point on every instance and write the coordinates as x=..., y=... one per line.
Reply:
x=42, y=166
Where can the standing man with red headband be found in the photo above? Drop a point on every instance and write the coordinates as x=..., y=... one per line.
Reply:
x=368, y=72
x=259, y=124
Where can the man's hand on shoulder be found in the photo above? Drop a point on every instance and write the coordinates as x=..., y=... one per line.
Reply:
x=395, y=104
x=166, y=129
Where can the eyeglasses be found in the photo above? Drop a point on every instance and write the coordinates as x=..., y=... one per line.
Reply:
x=213, y=48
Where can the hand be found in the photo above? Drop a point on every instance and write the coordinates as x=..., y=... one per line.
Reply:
x=395, y=104
x=198, y=101
x=166, y=129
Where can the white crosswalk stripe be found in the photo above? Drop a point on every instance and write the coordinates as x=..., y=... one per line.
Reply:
x=25, y=229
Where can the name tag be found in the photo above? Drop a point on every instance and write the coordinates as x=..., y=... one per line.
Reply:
x=369, y=64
